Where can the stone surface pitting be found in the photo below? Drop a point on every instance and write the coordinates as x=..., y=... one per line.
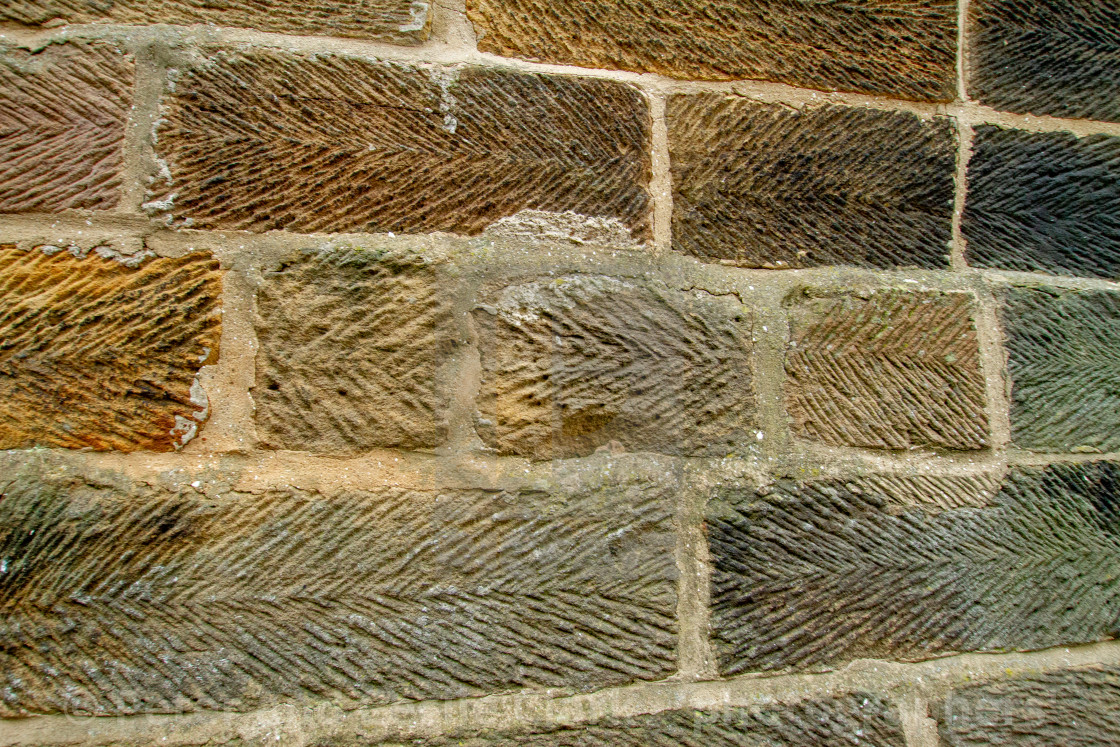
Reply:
x=121, y=597
x=63, y=113
x=892, y=370
x=1066, y=708
x=97, y=354
x=574, y=363
x=397, y=21
x=766, y=185
x=1055, y=57
x=1063, y=358
x=269, y=140
x=812, y=575
x=903, y=49
x=1044, y=202
x=351, y=343
x=856, y=719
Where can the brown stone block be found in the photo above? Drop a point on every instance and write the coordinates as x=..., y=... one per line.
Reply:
x=177, y=594
x=575, y=363
x=812, y=575
x=1064, y=708
x=351, y=344
x=63, y=113
x=269, y=140
x=905, y=49
x=766, y=185
x=396, y=21
x=96, y=353
x=892, y=370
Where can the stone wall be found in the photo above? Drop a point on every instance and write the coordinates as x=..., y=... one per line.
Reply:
x=383, y=372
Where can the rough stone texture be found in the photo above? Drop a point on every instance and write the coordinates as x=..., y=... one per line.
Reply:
x=398, y=21
x=1063, y=357
x=63, y=113
x=574, y=363
x=812, y=575
x=269, y=140
x=351, y=342
x=905, y=49
x=892, y=370
x=1046, y=202
x=766, y=185
x=1055, y=57
x=856, y=719
x=124, y=597
x=1067, y=708
x=94, y=353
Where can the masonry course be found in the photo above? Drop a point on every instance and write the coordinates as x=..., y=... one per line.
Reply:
x=767, y=185
x=63, y=113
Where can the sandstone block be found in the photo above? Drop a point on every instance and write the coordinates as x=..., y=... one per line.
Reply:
x=1066, y=708
x=859, y=718
x=351, y=343
x=905, y=49
x=572, y=364
x=396, y=21
x=267, y=140
x=1063, y=357
x=63, y=113
x=765, y=185
x=1047, y=202
x=815, y=574
x=125, y=597
x=892, y=370
x=1054, y=57
x=97, y=353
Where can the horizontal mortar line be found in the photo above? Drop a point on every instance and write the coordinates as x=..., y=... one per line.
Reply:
x=932, y=679
x=435, y=51
x=1012, y=277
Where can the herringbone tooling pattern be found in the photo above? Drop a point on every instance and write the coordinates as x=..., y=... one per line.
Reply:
x=902, y=49
x=99, y=354
x=62, y=120
x=574, y=363
x=123, y=598
x=890, y=371
x=384, y=146
x=758, y=387
x=814, y=574
x=765, y=185
x=398, y=21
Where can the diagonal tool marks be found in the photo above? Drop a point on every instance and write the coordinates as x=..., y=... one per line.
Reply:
x=97, y=354
x=815, y=574
x=119, y=598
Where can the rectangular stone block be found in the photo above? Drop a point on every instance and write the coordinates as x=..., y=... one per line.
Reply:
x=1046, y=202
x=857, y=719
x=766, y=185
x=812, y=575
x=128, y=597
x=892, y=369
x=1063, y=358
x=904, y=49
x=396, y=21
x=63, y=113
x=268, y=140
x=575, y=363
x=351, y=341
x=1054, y=57
x=1065, y=708
x=102, y=351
